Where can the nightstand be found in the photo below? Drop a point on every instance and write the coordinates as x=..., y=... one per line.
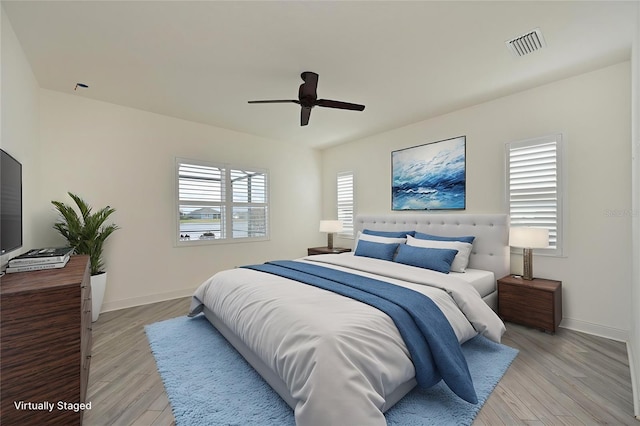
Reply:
x=326, y=250
x=535, y=303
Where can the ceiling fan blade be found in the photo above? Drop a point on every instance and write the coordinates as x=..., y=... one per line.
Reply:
x=305, y=113
x=327, y=103
x=276, y=101
x=310, y=85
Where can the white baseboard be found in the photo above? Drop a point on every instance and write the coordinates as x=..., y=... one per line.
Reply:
x=595, y=329
x=633, y=362
x=145, y=300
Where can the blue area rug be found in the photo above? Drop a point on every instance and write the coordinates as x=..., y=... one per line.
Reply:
x=209, y=383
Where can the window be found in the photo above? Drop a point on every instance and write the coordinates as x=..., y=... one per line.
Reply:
x=534, y=186
x=345, y=203
x=221, y=203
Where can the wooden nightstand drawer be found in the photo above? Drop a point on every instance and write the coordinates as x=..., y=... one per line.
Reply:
x=326, y=250
x=535, y=303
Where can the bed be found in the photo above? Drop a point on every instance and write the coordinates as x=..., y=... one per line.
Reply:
x=333, y=359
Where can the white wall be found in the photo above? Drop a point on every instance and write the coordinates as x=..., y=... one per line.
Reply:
x=19, y=134
x=593, y=112
x=122, y=157
x=634, y=341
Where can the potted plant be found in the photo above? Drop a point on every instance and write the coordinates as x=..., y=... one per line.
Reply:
x=86, y=233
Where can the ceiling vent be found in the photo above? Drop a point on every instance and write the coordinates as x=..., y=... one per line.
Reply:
x=526, y=43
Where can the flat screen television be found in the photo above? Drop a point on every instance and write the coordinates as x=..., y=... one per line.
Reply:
x=10, y=203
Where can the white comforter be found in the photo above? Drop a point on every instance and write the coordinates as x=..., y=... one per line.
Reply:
x=339, y=358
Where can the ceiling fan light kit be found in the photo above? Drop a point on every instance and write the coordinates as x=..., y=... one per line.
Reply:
x=308, y=98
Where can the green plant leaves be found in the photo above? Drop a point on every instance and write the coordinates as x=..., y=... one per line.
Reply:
x=86, y=232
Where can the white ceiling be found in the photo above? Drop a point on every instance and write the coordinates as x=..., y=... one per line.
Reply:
x=406, y=61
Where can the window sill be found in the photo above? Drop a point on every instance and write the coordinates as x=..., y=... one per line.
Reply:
x=214, y=242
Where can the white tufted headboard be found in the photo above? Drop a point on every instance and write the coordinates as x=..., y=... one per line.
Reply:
x=490, y=248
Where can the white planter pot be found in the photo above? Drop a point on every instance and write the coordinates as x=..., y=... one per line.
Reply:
x=98, y=285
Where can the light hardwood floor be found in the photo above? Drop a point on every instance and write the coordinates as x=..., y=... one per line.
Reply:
x=568, y=378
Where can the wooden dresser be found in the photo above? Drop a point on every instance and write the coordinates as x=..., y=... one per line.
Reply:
x=535, y=303
x=45, y=327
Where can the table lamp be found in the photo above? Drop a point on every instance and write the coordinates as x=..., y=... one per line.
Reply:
x=330, y=227
x=528, y=238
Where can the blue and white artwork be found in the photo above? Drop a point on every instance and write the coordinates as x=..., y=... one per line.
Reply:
x=430, y=177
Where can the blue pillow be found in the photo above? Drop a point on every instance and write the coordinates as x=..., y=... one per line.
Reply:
x=423, y=236
x=429, y=258
x=376, y=250
x=392, y=234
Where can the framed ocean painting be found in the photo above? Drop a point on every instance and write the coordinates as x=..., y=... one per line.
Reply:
x=430, y=176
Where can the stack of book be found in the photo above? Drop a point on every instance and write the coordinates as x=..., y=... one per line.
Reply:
x=38, y=259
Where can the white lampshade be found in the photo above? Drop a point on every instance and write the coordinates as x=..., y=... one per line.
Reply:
x=330, y=226
x=528, y=237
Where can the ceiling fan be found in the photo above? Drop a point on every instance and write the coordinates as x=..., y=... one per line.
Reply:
x=308, y=98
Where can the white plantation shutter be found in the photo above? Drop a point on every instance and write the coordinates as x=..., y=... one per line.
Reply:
x=218, y=203
x=534, y=186
x=201, y=194
x=345, y=202
x=200, y=183
x=249, y=209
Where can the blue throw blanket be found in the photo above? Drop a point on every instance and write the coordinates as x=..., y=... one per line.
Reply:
x=432, y=343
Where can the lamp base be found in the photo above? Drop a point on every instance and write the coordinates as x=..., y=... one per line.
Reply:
x=330, y=240
x=527, y=258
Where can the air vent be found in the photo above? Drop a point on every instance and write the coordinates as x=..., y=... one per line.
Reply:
x=526, y=43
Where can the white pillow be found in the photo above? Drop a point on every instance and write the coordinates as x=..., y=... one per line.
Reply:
x=461, y=260
x=377, y=239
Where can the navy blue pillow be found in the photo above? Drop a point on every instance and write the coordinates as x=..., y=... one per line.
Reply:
x=423, y=236
x=376, y=250
x=429, y=258
x=392, y=234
